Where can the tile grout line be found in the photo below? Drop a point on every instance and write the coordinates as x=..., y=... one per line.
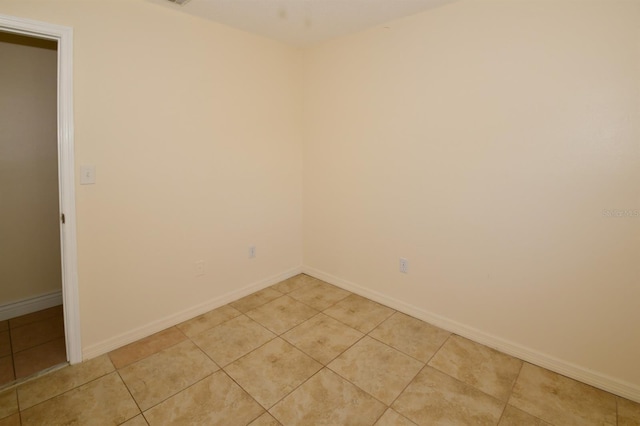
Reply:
x=222, y=368
x=67, y=391
x=513, y=385
x=13, y=358
x=167, y=398
x=130, y=394
x=176, y=393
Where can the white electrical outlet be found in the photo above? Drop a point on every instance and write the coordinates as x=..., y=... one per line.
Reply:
x=252, y=252
x=404, y=265
x=199, y=268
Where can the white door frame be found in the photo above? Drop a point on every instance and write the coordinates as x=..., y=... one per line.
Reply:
x=66, y=166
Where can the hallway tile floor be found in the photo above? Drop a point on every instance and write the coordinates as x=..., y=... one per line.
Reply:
x=31, y=343
x=303, y=352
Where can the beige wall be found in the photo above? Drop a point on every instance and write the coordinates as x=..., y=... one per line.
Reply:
x=194, y=130
x=29, y=230
x=482, y=141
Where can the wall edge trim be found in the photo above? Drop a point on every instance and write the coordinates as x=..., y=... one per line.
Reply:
x=574, y=371
x=146, y=330
x=30, y=305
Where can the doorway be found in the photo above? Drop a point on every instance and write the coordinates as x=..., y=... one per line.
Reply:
x=62, y=37
x=31, y=321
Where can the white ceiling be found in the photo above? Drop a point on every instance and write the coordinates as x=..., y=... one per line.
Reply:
x=303, y=22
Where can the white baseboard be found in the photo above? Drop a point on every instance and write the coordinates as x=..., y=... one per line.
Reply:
x=30, y=305
x=138, y=333
x=582, y=374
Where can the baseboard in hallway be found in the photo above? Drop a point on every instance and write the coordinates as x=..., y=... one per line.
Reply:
x=30, y=305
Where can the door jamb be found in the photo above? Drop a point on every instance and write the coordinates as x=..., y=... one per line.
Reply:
x=66, y=166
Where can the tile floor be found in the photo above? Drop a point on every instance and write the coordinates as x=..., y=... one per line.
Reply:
x=31, y=343
x=303, y=352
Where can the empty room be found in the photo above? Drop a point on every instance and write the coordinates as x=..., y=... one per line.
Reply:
x=324, y=212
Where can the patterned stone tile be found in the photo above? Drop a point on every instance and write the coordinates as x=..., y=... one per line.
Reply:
x=411, y=336
x=328, y=400
x=256, y=299
x=322, y=338
x=561, y=401
x=360, y=313
x=434, y=398
x=145, y=347
x=216, y=400
x=514, y=417
x=477, y=365
x=208, y=320
x=272, y=371
x=155, y=378
x=232, y=339
x=628, y=412
x=294, y=283
x=319, y=295
x=281, y=314
x=377, y=368
x=104, y=401
x=393, y=418
x=63, y=380
x=265, y=420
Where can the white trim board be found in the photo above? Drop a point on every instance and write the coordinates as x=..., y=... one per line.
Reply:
x=66, y=166
x=30, y=305
x=184, y=315
x=582, y=374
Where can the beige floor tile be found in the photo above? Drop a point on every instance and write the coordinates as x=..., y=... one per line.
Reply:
x=514, y=417
x=628, y=412
x=136, y=421
x=36, y=333
x=411, y=336
x=104, y=401
x=328, y=400
x=232, y=339
x=216, y=400
x=63, y=380
x=254, y=300
x=40, y=357
x=477, y=365
x=360, y=313
x=377, y=368
x=281, y=314
x=145, y=347
x=393, y=418
x=294, y=283
x=5, y=343
x=6, y=369
x=433, y=398
x=13, y=420
x=209, y=320
x=55, y=311
x=8, y=403
x=322, y=338
x=560, y=400
x=319, y=295
x=154, y=379
x=272, y=371
x=265, y=420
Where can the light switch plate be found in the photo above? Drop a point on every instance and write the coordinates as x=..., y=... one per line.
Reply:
x=87, y=175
